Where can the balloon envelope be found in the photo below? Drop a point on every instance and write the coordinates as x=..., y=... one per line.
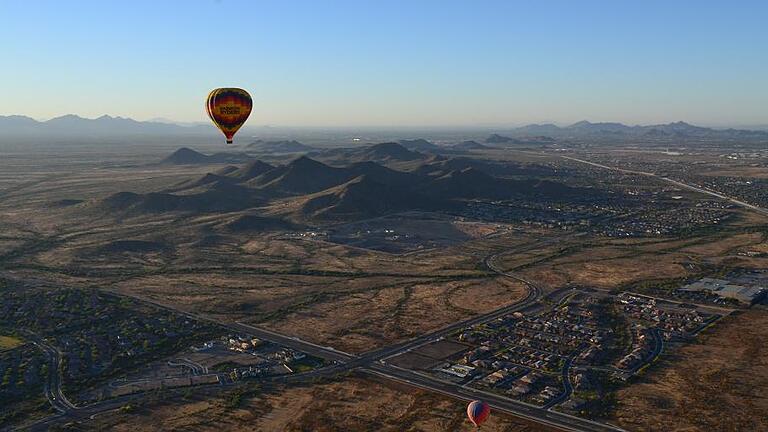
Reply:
x=478, y=412
x=228, y=109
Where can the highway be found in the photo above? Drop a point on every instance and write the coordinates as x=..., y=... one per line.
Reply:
x=497, y=402
x=372, y=362
x=376, y=364
x=99, y=408
x=324, y=352
x=531, y=298
x=694, y=188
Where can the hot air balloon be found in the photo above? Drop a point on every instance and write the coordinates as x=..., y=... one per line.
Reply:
x=228, y=109
x=478, y=412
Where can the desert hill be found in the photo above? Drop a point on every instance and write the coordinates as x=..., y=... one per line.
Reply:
x=388, y=152
x=301, y=176
x=421, y=145
x=440, y=167
x=216, y=197
x=383, y=175
x=187, y=156
x=257, y=223
x=471, y=183
x=306, y=189
x=250, y=170
x=362, y=198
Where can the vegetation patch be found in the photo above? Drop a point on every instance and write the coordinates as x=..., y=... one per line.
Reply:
x=9, y=342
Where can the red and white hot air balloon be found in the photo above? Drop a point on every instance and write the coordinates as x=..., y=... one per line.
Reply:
x=478, y=412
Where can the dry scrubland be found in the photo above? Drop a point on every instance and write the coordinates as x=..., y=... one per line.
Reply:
x=717, y=384
x=373, y=300
x=352, y=298
x=374, y=318
x=9, y=342
x=609, y=263
x=354, y=404
x=288, y=284
x=356, y=299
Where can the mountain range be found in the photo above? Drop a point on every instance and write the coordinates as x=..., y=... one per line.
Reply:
x=382, y=152
x=585, y=129
x=71, y=126
x=305, y=189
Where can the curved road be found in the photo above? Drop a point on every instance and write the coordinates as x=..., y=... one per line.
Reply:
x=52, y=388
x=373, y=362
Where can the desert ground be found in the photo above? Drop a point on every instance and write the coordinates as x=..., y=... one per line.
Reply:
x=355, y=403
x=718, y=383
x=356, y=296
x=301, y=285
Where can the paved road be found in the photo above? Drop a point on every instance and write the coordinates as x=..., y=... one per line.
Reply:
x=658, y=346
x=374, y=362
x=567, y=386
x=500, y=403
x=532, y=296
x=324, y=352
x=52, y=387
x=378, y=366
x=99, y=408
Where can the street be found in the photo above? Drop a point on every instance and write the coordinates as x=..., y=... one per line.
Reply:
x=372, y=362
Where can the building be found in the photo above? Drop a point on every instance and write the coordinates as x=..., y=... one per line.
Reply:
x=727, y=290
x=460, y=371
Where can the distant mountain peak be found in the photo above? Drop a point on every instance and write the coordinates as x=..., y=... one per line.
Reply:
x=305, y=162
x=498, y=139
x=419, y=144
x=391, y=151
x=250, y=170
x=66, y=117
x=187, y=156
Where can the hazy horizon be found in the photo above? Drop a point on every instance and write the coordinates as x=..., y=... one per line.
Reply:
x=397, y=64
x=479, y=126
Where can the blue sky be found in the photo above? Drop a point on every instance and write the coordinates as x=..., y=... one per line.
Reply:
x=386, y=63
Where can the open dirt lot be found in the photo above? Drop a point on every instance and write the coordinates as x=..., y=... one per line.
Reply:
x=607, y=263
x=717, y=384
x=355, y=404
x=376, y=317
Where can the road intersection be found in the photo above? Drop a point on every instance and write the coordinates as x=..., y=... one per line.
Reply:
x=373, y=362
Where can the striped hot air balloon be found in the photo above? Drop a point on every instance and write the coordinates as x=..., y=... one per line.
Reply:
x=478, y=412
x=228, y=109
